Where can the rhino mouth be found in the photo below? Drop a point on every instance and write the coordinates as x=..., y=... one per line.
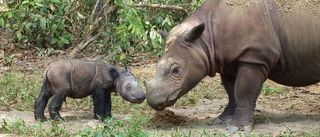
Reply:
x=137, y=100
x=170, y=101
x=173, y=96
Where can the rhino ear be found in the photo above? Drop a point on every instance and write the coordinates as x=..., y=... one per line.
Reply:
x=163, y=34
x=128, y=69
x=113, y=73
x=194, y=33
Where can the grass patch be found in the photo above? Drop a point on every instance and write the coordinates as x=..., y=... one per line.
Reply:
x=19, y=90
x=130, y=127
x=269, y=90
x=20, y=128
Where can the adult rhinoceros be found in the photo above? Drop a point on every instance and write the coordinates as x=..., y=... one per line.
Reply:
x=247, y=42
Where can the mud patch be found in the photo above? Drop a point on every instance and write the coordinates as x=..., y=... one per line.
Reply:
x=167, y=117
x=288, y=5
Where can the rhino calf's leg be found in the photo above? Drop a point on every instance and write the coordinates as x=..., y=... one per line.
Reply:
x=227, y=114
x=55, y=106
x=41, y=104
x=108, y=104
x=99, y=103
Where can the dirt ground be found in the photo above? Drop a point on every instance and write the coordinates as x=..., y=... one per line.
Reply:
x=296, y=111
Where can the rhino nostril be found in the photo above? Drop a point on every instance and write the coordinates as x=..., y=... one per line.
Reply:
x=141, y=98
x=138, y=99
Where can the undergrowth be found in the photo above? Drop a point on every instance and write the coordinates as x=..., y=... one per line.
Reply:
x=19, y=90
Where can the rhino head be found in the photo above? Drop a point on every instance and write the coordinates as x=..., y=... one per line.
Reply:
x=181, y=67
x=128, y=87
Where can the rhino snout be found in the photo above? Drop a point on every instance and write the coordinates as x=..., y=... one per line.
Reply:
x=156, y=101
x=136, y=97
x=138, y=100
x=155, y=106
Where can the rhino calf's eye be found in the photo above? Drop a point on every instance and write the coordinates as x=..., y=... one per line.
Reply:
x=129, y=87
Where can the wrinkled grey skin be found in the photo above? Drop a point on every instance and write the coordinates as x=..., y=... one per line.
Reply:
x=246, y=44
x=79, y=79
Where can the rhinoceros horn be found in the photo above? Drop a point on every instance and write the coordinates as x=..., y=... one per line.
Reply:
x=146, y=84
x=194, y=33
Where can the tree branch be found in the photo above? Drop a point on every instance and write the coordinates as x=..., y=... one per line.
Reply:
x=94, y=21
x=82, y=45
x=170, y=7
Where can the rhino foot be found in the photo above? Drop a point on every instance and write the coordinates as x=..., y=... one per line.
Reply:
x=233, y=128
x=247, y=128
x=43, y=120
x=40, y=118
x=228, y=122
x=219, y=121
x=216, y=121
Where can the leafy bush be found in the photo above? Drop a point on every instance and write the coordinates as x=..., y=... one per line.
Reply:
x=60, y=24
x=39, y=22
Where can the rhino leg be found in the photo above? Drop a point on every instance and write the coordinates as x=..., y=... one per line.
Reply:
x=227, y=114
x=108, y=104
x=247, y=88
x=100, y=101
x=55, y=106
x=41, y=104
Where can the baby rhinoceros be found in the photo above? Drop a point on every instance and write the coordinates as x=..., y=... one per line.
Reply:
x=79, y=79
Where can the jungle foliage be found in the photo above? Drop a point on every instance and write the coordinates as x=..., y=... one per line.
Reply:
x=119, y=28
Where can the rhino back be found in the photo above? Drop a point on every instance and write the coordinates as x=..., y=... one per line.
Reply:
x=72, y=77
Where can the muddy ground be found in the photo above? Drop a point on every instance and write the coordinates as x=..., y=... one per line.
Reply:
x=294, y=111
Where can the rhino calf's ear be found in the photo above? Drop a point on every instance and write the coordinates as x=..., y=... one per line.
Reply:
x=163, y=34
x=113, y=73
x=128, y=69
x=194, y=33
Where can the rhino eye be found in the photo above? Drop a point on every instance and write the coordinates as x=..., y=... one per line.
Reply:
x=176, y=70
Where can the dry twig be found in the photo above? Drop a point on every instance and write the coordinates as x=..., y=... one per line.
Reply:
x=170, y=7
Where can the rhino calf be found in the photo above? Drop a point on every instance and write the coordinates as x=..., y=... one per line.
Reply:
x=79, y=79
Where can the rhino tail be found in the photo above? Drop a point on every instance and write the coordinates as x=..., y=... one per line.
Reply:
x=46, y=86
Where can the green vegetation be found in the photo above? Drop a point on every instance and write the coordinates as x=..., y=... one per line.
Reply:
x=40, y=22
x=19, y=89
x=268, y=90
x=110, y=128
x=120, y=29
x=119, y=128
